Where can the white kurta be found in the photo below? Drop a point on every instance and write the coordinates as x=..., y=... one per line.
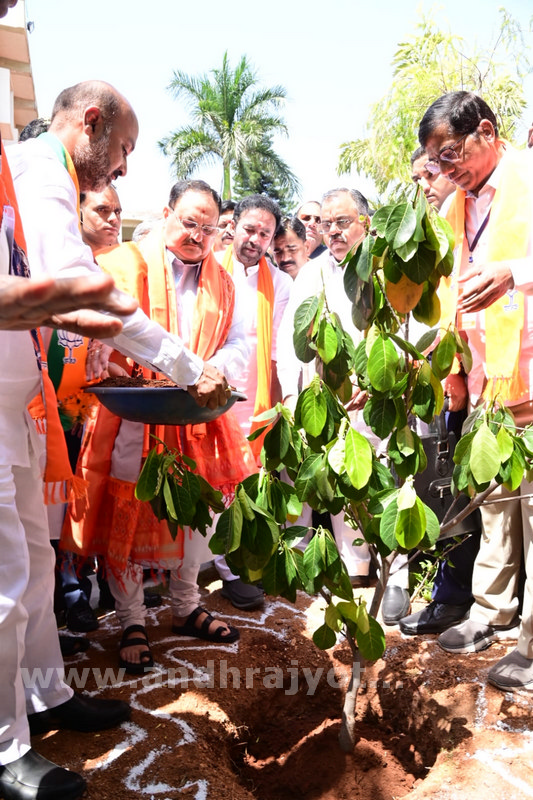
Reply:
x=246, y=291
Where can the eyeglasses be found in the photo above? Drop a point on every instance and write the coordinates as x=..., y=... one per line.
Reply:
x=192, y=226
x=446, y=154
x=342, y=224
x=309, y=217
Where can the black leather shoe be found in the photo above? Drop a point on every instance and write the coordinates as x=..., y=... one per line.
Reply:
x=32, y=777
x=435, y=618
x=81, y=618
x=80, y=713
x=395, y=604
x=242, y=595
x=152, y=599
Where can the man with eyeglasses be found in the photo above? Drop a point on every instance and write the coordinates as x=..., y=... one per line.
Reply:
x=490, y=289
x=309, y=214
x=264, y=292
x=289, y=248
x=175, y=276
x=345, y=216
x=435, y=186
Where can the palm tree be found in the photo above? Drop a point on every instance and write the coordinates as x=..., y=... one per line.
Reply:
x=232, y=121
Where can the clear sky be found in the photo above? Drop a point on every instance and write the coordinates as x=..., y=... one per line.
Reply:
x=332, y=56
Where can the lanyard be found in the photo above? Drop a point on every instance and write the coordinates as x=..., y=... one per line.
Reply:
x=472, y=247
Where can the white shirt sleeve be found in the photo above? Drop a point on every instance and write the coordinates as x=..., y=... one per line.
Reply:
x=231, y=359
x=47, y=198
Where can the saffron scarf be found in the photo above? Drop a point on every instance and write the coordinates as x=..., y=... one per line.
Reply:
x=222, y=454
x=265, y=315
x=58, y=481
x=508, y=235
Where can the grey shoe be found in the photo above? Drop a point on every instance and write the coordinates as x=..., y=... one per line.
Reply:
x=395, y=605
x=513, y=671
x=471, y=636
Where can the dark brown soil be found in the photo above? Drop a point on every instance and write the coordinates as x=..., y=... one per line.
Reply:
x=260, y=719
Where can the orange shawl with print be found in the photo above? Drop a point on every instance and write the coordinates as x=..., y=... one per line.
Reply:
x=58, y=481
x=508, y=236
x=114, y=523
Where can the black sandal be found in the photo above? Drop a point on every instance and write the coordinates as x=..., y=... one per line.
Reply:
x=147, y=660
x=72, y=645
x=220, y=635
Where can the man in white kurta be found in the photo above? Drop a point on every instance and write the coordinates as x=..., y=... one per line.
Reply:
x=47, y=195
x=344, y=214
x=255, y=221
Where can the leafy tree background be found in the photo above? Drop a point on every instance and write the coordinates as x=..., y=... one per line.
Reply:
x=233, y=122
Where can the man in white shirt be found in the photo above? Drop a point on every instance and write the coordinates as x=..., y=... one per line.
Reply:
x=93, y=131
x=257, y=281
x=344, y=214
x=309, y=213
x=493, y=217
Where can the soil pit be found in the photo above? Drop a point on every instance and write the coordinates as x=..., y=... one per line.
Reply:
x=259, y=719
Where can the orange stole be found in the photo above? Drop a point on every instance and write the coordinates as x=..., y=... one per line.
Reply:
x=265, y=317
x=113, y=522
x=58, y=481
x=508, y=236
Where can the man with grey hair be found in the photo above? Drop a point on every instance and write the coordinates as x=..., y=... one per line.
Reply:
x=345, y=215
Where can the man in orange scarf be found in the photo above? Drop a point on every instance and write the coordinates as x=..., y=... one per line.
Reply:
x=180, y=284
x=264, y=290
x=490, y=290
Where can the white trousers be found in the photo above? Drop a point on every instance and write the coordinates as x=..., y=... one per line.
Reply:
x=128, y=590
x=28, y=632
x=507, y=533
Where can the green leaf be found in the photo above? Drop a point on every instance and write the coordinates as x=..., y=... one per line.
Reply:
x=382, y=364
x=336, y=457
x=278, y=439
x=485, y=459
x=406, y=496
x=149, y=479
x=315, y=555
x=426, y=340
x=420, y=266
x=305, y=483
x=505, y=444
x=405, y=440
x=357, y=458
x=372, y=643
x=401, y=225
x=423, y=399
x=313, y=410
x=380, y=221
x=326, y=341
x=227, y=536
x=324, y=637
x=387, y=525
x=360, y=265
x=303, y=323
x=428, y=310
x=381, y=415
x=332, y=618
x=183, y=503
x=411, y=525
x=443, y=355
x=516, y=473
